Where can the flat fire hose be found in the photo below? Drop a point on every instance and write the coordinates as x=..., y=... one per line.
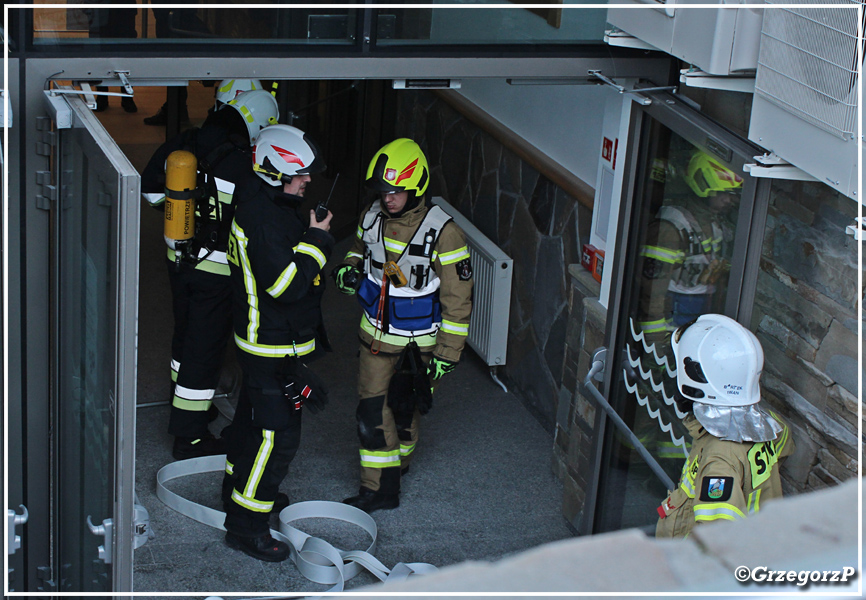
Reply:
x=316, y=559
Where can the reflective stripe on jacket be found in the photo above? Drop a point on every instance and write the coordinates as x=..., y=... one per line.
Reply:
x=723, y=480
x=441, y=267
x=276, y=275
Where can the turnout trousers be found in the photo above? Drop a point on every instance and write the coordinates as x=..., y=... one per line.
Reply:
x=262, y=440
x=386, y=449
x=202, y=307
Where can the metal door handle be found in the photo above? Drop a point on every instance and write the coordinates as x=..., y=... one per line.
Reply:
x=13, y=519
x=105, y=530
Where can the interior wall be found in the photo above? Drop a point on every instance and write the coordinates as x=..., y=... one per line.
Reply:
x=531, y=219
x=563, y=121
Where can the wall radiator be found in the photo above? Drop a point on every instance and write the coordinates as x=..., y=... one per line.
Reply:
x=491, y=292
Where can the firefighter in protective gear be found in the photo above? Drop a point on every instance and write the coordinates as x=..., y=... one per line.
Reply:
x=199, y=276
x=733, y=466
x=684, y=267
x=276, y=262
x=686, y=257
x=410, y=269
x=229, y=89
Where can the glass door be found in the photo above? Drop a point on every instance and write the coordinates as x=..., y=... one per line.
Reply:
x=688, y=245
x=94, y=278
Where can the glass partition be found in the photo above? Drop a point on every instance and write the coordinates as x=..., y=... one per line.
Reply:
x=685, y=249
x=475, y=24
x=146, y=23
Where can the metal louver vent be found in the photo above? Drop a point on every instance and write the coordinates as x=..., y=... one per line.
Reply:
x=808, y=63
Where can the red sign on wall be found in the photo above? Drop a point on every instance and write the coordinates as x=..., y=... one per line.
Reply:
x=607, y=149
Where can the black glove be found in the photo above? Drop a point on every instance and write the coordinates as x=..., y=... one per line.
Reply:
x=423, y=392
x=304, y=388
x=409, y=386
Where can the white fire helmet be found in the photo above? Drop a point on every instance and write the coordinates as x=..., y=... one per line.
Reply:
x=719, y=362
x=228, y=89
x=282, y=151
x=259, y=110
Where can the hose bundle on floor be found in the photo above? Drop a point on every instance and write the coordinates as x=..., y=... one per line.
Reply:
x=316, y=559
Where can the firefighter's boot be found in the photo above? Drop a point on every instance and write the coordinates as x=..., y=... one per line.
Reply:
x=194, y=447
x=368, y=500
x=263, y=547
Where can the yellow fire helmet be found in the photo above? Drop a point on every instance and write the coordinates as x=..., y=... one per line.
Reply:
x=706, y=176
x=397, y=167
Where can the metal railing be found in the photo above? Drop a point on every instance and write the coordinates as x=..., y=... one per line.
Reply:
x=598, y=362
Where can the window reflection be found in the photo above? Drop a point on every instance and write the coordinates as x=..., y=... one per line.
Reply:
x=479, y=25
x=684, y=240
x=474, y=24
x=148, y=22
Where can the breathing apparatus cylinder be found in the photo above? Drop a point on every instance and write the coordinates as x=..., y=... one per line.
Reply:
x=181, y=169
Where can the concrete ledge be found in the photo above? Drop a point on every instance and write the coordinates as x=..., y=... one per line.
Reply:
x=584, y=280
x=817, y=531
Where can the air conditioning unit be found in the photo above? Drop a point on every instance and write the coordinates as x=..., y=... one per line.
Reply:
x=805, y=104
x=719, y=41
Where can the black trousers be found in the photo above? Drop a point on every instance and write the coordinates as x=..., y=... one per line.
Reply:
x=202, y=306
x=261, y=443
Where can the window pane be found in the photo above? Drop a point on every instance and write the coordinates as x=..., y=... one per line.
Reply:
x=478, y=25
x=192, y=26
x=688, y=206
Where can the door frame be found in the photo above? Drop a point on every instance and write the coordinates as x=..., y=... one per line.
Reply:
x=30, y=291
x=125, y=323
x=33, y=299
x=682, y=117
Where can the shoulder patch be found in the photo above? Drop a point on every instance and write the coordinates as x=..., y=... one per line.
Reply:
x=716, y=489
x=464, y=269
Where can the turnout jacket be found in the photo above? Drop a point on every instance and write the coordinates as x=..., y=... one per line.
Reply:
x=448, y=261
x=227, y=159
x=723, y=480
x=276, y=264
x=686, y=253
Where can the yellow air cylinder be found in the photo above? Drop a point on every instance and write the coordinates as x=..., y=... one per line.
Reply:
x=180, y=179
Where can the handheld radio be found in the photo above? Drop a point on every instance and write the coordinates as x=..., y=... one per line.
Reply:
x=322, y=207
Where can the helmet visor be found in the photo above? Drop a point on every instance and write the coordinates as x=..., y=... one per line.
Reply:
x=318, y=164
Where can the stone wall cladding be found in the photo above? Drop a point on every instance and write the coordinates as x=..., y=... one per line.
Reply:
x=805, y=310
x=575, y=435
x=805, y=315
x=535, y=222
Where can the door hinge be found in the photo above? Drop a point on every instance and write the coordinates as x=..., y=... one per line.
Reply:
x=49, y=191
x=47, y=139
x=105, y=530
x=12, y=520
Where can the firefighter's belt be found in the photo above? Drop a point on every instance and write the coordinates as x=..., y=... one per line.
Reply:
x=316, y=559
